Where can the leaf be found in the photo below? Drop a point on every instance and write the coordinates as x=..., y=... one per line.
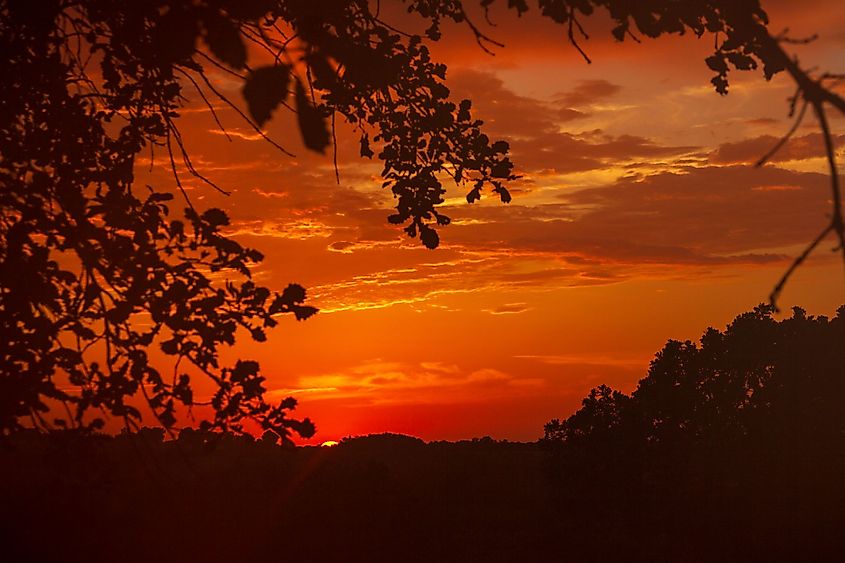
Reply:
x=429, y=237
x=619, y=31
x=501, y=169
x=504, y=195
x=215, y=217
x=325, y=76
x=366, y=151
x=293, y=293
x=500, y=147
x=303, y=312
x=170, y=347
x=224, y=39
x=717, y=63
x=474, y=195
x=258, y=334
x=312, y=125
x=266, y=87
x=175, y=39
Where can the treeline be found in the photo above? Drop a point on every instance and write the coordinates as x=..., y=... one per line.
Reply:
x=733, y=447
x=730, y=449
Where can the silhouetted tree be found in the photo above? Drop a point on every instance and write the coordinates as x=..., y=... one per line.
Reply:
x=750, y=417
x=96, y=269
x=757, y=376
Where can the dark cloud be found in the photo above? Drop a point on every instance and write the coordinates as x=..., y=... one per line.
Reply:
x=533, y=127
x=588, y=92
x=685, y=223
x=762, y=121
x=749, y=151
x=503, y=111
x=569, y=114
x=705, y=216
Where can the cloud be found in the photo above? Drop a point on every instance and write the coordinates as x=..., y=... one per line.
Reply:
x=569, y=114
x=715, y=211
x=634, y=362
x=378, y=382
x=749, y=151
x=698, y=215
x=509, y=309
x=658, y=209
x=588, y=92
x=690, y=222
x=532, y=127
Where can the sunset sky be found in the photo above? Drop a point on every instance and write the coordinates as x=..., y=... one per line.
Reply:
x=639, y=218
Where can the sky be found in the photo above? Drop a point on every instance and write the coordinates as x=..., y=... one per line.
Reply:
x=639, y=217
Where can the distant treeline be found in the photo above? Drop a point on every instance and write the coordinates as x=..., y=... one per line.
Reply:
x=732, y=449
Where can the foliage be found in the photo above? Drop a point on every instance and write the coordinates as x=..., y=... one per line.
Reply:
x=96, y=269
x=750, y=417
x=758, y=376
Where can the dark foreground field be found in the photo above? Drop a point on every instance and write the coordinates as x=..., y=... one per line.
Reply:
x=381, y=498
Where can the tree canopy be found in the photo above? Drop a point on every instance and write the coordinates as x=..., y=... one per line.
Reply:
x=96, y=269
x=759, y=376
x=741, y=433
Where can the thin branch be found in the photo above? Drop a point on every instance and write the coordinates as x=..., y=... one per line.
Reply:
x=571, y=34
x=775, y=294
x=817, y=95
x=187, y=159
x=207, y=103
x=334, y=151
x=480, y=37
x=836, y=221
x=765, y=158
x=244, y=116
x=176, y=173
x=221, y=67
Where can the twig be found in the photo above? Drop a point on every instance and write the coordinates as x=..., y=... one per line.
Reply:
x=775, y=294
x=176, y=173
x=571, y=35
x=187, y=159
x=252, y=124
x=207, y=103
x=836, y=221
x=765, y=158
x=334, y=151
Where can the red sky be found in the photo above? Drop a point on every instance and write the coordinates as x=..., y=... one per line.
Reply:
x=639, y=218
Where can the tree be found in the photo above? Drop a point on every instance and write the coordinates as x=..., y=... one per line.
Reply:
x=96, y=269
x=758, y=377
x=741, y=433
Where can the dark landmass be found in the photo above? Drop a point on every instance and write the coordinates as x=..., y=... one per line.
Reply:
x=210, y=498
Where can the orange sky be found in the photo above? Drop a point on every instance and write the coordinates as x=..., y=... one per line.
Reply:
x=639, y=218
